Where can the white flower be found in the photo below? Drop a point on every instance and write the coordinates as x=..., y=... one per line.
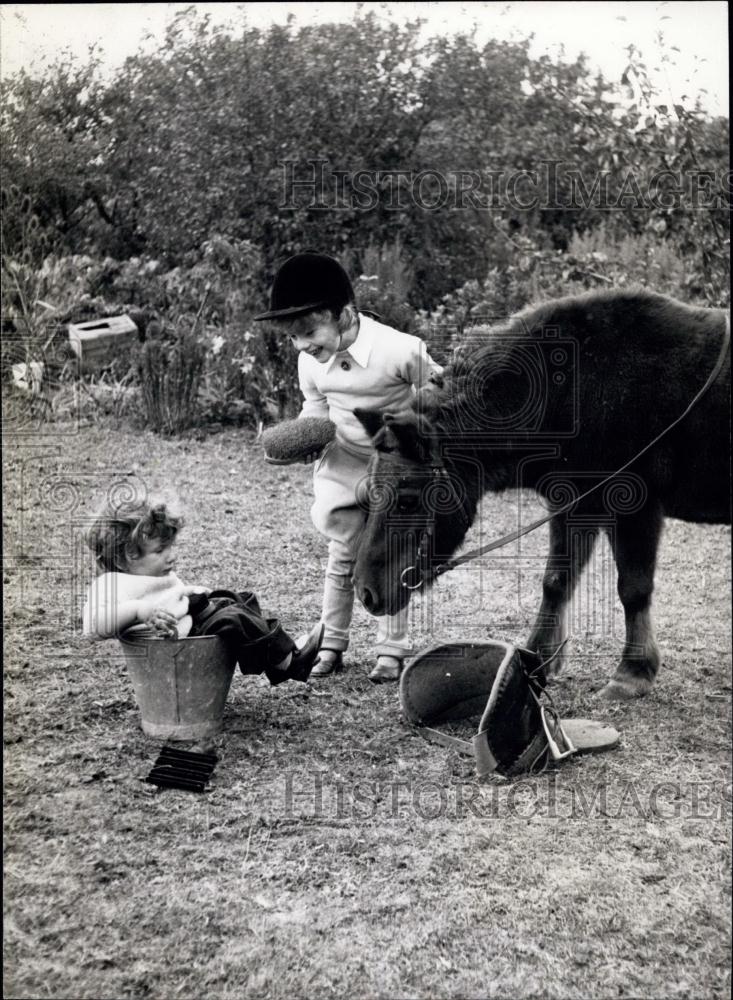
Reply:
x=216, y=344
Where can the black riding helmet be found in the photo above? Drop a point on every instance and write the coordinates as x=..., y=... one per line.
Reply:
x=308, y=281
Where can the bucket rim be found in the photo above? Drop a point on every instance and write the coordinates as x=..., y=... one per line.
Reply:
x=136, y=640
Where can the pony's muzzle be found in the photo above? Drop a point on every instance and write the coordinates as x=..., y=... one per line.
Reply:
x=376, y=604
x=369, y=599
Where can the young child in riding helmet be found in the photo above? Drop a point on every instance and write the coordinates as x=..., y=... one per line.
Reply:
x=345, y=360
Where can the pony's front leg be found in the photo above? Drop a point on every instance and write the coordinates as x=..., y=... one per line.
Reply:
x=570, y=550
x=634, y=541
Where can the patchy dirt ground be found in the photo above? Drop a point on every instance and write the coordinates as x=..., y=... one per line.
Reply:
x=337, y=853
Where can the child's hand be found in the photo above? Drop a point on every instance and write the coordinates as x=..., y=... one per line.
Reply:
x=312, y=456
x=195, y=589
x=163, y=623
x=162, y=611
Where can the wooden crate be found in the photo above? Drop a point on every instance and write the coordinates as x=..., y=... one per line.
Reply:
x=99, y=341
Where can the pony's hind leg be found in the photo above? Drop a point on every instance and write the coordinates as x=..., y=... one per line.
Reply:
x=634, y=541
x=570, y=550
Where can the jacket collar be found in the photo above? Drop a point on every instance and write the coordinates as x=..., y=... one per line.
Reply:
x=361, y=349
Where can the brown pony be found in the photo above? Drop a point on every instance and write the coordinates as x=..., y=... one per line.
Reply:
x=557, y=400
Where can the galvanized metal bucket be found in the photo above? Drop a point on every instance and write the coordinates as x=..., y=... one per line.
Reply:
x=181, y=685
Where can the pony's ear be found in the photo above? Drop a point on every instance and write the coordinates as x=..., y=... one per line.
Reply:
x=401, y=432
x=371, y=420
x=409, y=435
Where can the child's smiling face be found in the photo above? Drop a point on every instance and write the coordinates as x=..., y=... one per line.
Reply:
x=156, y=559
x=317, y=334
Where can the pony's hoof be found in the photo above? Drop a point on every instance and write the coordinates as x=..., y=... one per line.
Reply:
x=626, y=689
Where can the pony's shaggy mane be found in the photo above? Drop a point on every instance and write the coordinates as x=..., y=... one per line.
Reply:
x=585, y=315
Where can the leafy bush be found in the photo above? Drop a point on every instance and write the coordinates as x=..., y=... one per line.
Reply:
x=382, y=279
x=387, y=135
x=528, y=275
x=25, y=313
x=248, y=373
x=162, y=191
x=170, y=376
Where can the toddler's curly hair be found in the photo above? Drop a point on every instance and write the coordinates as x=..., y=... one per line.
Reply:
x=120, y=533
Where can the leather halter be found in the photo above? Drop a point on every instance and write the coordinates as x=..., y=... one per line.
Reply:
x=439, y=474
x=439, y=470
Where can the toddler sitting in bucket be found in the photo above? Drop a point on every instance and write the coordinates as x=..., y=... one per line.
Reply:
x=138, y=593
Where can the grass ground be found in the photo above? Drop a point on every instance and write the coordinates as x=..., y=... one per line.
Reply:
x=336, y=853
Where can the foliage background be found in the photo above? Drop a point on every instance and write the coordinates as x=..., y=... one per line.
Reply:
x=161, y=191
